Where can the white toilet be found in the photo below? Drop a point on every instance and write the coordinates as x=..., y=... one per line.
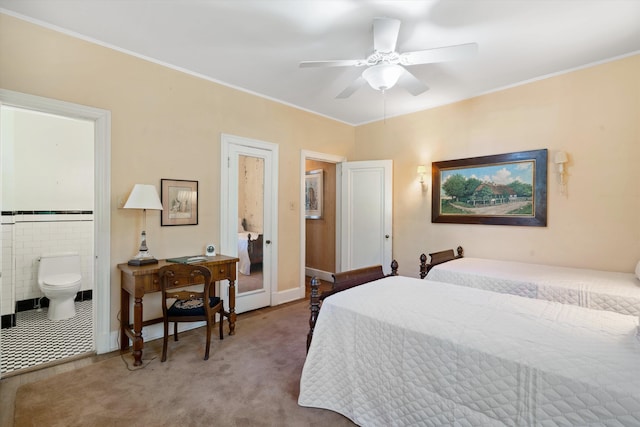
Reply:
x=60, y=278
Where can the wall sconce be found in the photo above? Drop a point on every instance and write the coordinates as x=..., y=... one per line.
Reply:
x=560, y=159
x=422, y=170
x=143, y=196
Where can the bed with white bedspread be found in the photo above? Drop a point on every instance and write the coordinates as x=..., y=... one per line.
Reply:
x=601, y=290
x=404, y=351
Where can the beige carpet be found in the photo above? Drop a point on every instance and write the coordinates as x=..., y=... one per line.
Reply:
x=250, y=379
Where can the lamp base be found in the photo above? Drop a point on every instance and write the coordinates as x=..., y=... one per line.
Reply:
x=142, y=261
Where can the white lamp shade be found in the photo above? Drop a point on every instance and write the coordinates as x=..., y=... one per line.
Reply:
x=143, y=196
x=382, y=76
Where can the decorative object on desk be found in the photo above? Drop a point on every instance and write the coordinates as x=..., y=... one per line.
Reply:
x=504, y=189
x=193, y=259
x=180, y=202
x=313, y=194
x=143, y=196
x=210, y=250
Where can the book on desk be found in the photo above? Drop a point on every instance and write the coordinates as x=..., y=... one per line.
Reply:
x=189, y=259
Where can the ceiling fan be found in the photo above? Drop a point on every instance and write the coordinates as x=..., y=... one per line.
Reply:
x=386, y=66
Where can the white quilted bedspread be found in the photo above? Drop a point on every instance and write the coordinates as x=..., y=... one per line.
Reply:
x=402, y=351
x=601, y=290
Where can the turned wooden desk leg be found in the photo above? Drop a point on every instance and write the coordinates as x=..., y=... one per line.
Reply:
x=232, y=307
x=124, y=319
x=138, y=341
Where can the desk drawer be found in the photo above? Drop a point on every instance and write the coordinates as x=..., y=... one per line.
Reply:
x=150, y=282
x=220, y=272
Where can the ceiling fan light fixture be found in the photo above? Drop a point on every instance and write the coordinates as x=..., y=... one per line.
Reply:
x=382, y=76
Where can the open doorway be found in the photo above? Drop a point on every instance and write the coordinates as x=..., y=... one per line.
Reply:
x=363, y=219
x=320, y=218
x=318, y=234
x=99, y=229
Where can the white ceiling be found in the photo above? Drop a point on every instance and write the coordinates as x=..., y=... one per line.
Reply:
x=256, y=45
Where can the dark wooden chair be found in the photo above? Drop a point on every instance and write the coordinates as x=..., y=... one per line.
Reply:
x=186, y=305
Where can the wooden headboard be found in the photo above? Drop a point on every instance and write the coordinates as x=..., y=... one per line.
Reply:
x=342, y=281
x=438, y=258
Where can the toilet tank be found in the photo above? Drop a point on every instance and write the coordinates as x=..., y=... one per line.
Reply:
x=60, y=263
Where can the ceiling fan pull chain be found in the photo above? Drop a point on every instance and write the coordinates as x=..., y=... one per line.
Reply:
x=384, y=106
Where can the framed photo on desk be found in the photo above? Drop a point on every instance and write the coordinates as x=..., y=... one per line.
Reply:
x=179, y=202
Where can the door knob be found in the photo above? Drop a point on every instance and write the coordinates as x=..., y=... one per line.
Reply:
x=386, y=236
x=268, y=242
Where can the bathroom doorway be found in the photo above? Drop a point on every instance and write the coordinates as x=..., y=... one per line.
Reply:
x=52, y=201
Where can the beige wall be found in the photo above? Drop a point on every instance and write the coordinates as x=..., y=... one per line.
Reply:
x=167, y=124
x=593, y=114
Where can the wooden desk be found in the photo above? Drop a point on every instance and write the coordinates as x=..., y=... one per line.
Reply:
x=136, y=281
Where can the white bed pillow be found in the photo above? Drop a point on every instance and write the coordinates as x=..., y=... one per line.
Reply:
x=638, y=270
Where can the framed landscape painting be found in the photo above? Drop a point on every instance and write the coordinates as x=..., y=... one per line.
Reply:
x=503, y=189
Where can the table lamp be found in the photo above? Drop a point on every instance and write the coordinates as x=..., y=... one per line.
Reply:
x=143, y=196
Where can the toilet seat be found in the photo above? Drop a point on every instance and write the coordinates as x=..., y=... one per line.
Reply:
x=61, y=281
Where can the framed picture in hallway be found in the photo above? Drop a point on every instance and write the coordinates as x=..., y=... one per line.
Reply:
x=503, y=189
x=313, y=194
x=179, y=202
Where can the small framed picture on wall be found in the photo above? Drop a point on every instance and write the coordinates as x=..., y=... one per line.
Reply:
x=179, y=202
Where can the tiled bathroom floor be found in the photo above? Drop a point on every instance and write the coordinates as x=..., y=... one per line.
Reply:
x=36, y=340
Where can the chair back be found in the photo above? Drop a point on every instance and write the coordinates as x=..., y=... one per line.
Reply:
x=175, y=277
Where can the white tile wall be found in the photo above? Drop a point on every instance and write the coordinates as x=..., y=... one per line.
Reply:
x=35, y=235
x=7, y=294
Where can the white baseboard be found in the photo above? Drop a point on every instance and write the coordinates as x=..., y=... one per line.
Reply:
x=289, y=295
x=153, y=332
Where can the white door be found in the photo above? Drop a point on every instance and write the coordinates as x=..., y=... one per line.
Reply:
x=248, y=196
x=366, y=214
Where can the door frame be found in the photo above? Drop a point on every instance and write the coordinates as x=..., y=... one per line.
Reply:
x=327, y=158
x=104, y=341
x=270, y=213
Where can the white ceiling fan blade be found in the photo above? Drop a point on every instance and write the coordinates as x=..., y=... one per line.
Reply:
x=385, y=34
x=348, y=91
x=411, y=83
x=333, y=63
x=440, y=54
